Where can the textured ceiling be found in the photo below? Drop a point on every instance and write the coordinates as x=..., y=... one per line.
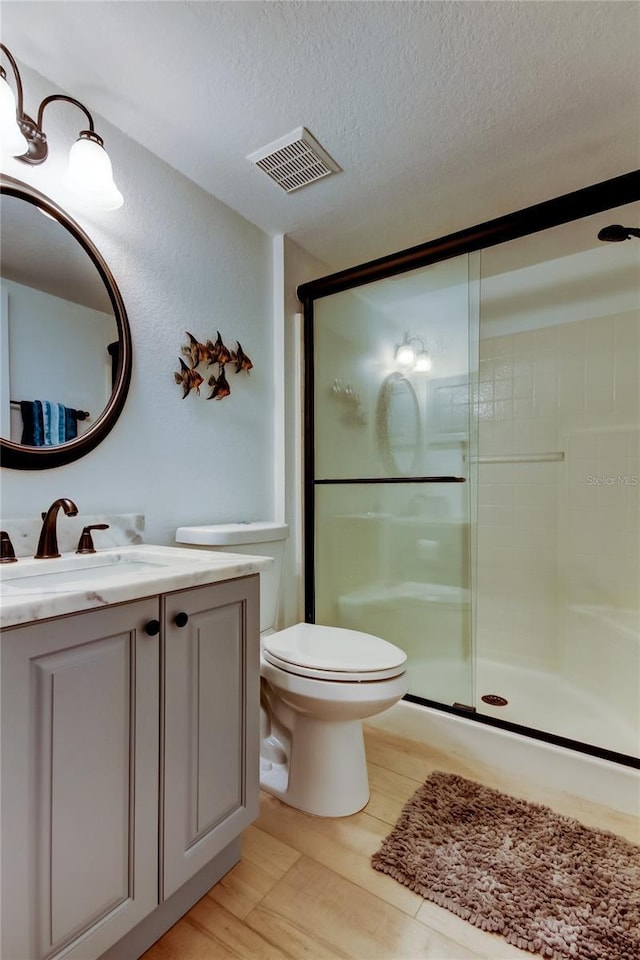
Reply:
x=441, y=114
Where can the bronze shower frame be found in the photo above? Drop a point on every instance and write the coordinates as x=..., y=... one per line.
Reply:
x=585, y=202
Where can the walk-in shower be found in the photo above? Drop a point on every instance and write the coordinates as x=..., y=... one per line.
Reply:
x=472, y=477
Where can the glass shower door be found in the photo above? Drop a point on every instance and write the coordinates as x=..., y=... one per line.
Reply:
x=392, y=502
x=557, y=586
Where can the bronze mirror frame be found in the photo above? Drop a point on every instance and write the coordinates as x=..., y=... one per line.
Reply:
x=383, y=434
x=21, y=457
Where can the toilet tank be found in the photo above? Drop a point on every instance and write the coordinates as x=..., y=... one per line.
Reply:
x=259, y=539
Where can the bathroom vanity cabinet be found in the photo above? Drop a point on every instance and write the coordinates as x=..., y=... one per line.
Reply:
x=129, y=738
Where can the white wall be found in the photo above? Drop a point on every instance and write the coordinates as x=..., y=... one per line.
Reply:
x=183, y=261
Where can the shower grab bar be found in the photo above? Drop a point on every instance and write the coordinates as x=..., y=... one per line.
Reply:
x=520, y=458
x=391, y=480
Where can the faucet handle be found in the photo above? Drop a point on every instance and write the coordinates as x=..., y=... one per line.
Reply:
x=7, y=553
x=85, y=543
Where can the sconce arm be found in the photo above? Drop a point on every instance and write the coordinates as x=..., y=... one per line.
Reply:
x=63, y=96
x=16, y=74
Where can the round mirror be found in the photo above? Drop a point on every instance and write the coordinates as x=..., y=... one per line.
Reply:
x=398, y=425
x=66, y=345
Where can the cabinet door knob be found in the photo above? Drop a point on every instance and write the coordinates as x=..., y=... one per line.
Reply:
x=152, y=629
x=181, y=619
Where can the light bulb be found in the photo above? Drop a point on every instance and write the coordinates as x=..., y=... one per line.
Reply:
x=423, y=362
x=12, y=140
x=405, y=355
x=89, y=174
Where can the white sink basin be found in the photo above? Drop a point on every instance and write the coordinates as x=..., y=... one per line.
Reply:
x=40, y=581
x=71, y=571
x=31, y=589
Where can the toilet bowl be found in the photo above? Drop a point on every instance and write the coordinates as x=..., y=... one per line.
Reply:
x=318, y=683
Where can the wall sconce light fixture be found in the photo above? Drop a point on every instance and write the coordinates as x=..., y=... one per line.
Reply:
x=89, y=175
x=413, y=355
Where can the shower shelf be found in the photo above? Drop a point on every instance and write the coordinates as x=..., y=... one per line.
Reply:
x=520, y=458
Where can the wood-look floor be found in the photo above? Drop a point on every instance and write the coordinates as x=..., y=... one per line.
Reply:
x=305, y=889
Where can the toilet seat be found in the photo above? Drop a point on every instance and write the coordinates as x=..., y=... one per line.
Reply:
x=333, y=653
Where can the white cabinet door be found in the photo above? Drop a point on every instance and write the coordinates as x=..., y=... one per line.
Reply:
x=211, y=702
x=79, y=737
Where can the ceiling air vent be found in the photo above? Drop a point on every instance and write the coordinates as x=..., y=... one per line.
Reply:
x=294, y=161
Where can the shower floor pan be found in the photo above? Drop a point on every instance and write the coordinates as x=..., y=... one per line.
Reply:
x=544, y=701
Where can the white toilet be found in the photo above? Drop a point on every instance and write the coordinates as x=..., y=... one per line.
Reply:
x=317, y=686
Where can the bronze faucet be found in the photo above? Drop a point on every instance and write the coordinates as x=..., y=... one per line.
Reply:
x=7, y=553
x=48, y=542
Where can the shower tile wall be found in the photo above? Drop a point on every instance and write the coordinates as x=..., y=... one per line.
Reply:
x=558, y=561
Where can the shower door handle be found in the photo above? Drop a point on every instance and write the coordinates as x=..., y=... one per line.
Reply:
x=343, y=480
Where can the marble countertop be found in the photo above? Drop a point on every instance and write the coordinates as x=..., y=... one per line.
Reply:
x=40, y=589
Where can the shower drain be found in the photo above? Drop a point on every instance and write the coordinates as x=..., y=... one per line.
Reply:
x=495, y=700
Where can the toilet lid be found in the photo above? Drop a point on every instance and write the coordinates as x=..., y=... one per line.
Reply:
x=333, y=653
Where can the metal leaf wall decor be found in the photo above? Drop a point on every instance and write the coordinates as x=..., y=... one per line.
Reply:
x=207, y=354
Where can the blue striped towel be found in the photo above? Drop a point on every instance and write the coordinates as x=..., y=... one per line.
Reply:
x=47, y=424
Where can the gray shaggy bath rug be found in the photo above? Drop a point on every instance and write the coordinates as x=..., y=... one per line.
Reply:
x=544, y=882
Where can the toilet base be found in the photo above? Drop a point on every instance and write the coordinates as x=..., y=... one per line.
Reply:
x=326, y=770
